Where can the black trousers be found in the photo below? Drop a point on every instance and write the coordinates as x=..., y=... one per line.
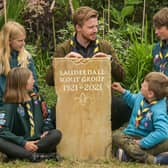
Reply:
x=120, y=112
x=45, y=145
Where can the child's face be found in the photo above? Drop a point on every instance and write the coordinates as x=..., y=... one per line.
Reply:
x=162, y=32
x=18, y=43
x=148, y=94
x=30, y=83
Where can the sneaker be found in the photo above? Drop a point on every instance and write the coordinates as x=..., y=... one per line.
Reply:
x=162, y=158
x=37, y=157
x=121, y=155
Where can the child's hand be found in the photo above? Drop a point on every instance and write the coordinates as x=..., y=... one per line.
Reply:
x=31, y=146
x=116, y=86
x=44, y=134
x=137, y=142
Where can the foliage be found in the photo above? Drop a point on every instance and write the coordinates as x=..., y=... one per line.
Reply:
x=38, y=16
x=119, y=15
x=120, y=39
x=13, y=10
x=42, y=61
x=137, y=64
x=65, y=33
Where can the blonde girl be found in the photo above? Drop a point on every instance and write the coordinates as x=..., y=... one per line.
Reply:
x=13, y=53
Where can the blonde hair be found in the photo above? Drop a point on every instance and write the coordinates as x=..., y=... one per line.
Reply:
x=11, y=31
x=82, y=14
x=158, y=83
x=16, y=82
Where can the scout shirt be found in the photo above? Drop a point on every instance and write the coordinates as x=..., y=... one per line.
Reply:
x=153, y=127
x=15, y=124
x=14, y=63
x=104, y=46
x=160, y=57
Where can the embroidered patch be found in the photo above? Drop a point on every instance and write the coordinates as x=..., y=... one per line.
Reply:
x=2, y=115
x=35, y=102
x=146, y=124
x=2, y=122
x=156, y=58
x=21, y=110
x=149, y=116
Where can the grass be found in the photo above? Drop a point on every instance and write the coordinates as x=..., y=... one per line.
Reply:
x=65, y=163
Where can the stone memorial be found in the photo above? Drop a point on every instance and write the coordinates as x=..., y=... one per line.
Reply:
x=83, y=108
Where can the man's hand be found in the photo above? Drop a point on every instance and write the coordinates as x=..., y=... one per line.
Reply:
x=101, y=54
x=73, y=55
x=31, y=146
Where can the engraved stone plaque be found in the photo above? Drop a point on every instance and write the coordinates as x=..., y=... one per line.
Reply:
x=83, y=108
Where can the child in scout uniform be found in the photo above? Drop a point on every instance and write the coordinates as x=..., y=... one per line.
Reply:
x=160, y=49
x=26, y=129
x=147, y=132
x=13, y=53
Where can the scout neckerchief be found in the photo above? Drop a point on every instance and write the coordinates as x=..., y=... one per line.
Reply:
x=163, y=58
x=31, y=118
x=143, y=110
x=73, y=45
x=36, y=97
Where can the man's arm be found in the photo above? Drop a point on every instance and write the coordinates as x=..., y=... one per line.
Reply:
x=61, y=51
x=117, y=70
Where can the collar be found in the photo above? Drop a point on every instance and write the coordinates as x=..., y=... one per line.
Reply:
x=14, y=53
x=76, y=43
x=163, y=43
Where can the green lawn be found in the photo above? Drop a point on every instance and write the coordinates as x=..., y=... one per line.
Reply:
x=76, y=164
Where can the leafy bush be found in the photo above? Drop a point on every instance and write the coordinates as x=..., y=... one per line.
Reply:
x=13, y=10
x=137, y=64
x=42, y=61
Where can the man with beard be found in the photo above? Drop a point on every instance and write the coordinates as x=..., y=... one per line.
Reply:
x=85, y=44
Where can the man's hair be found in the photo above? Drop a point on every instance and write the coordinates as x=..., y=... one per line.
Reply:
x=161, y=18
x=158, y=83
x=82, y=14
x=16, y=82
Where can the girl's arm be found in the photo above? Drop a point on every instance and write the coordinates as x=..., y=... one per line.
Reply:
x=6, y=124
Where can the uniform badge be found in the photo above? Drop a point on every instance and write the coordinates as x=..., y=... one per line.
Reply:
x=149, y=116
x=21, y=110
x=2, y=122
x=2, y=115
x=156, y=58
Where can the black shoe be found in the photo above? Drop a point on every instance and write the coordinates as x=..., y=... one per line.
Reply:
x=37, y=157
x=162, y=158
